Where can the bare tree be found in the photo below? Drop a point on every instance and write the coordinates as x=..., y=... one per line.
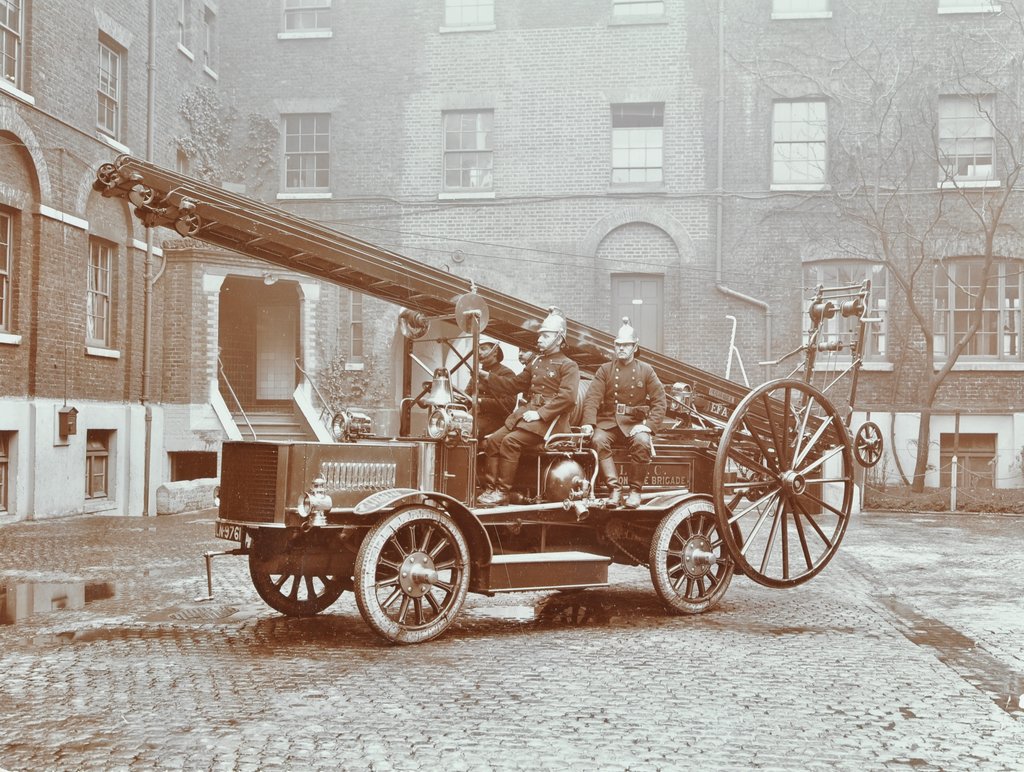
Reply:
x=926, y=146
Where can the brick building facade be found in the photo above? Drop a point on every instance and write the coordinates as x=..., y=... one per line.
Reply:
x=693, y=166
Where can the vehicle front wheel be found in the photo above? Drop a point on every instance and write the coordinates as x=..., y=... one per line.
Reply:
x=293, y=583
x=412, y=575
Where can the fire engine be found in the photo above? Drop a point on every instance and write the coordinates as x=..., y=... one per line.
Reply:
x=757, y=481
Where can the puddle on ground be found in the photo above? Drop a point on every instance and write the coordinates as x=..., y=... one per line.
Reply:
x=20, y=601
x=989, y=675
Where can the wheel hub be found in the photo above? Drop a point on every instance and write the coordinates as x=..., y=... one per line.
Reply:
x=417, y=574
x=794, y=482
x=697, y=556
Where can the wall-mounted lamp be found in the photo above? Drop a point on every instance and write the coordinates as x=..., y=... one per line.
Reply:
x=269, y=278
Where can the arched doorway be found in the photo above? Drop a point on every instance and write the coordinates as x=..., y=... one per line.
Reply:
x=258, y=330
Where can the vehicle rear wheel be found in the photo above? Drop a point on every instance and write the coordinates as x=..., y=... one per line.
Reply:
x=412, y=575
x=689, y=566
x=290, y=584
x=783, y=483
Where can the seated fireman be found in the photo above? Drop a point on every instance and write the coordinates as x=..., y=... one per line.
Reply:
x=494, y=402
x=625, y=404
x=549, y=385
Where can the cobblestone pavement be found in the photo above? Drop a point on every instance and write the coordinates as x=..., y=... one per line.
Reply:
x=907, y=651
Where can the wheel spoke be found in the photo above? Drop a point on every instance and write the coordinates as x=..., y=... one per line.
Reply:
x=391, y=581
x=426, y=539
x=802, y=534
x=785, y=538
x=403, y=609
x=779, y=442
x=446, y=586
x=765, y=452
x=825, y=456
x=825, y=504
x=294, y=594
x=445, y=565
x=805, y=414
x=437, y=550
x=772, y=534
x=814, y=524
x=817, y=434
x=433, y=603
x=392, y=598
x=753, y=505
x=757, y=526
x=418, y=605
x=752, y=464
x=310, y=587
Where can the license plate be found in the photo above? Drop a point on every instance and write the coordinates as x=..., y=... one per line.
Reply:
x=228, y=531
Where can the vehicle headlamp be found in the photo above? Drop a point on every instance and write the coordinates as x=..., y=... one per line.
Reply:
x=314, y=502
x=450, y=423
x=349, y=425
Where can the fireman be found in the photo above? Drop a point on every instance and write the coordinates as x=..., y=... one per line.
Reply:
x=625, y=404
x=494, y=402
x=549, y=385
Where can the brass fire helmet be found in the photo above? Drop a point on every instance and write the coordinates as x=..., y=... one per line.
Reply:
x=626, y=333
x=553, y=322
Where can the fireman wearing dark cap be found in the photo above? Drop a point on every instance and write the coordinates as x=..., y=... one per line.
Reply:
x=494, y=402
x=549, y=385
x=625, y=404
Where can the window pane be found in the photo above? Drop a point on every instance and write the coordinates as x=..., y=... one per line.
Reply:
x=957, y=287
x=97, y=318
x=796, y=7
x=6, y=261
x=108, y=91
x=637, y=141
x=468, y=13
x=638, y=8
x=468, y=156
x=307, y=151
x=799, y=134
x=10, y=40
x=966, y=144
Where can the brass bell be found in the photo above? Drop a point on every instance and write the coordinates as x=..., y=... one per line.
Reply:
x=440, y=389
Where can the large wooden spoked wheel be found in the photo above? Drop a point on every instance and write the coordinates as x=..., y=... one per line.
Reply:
x=290, y=584
x=689, y=566
x=783, y=483
x=412, y=575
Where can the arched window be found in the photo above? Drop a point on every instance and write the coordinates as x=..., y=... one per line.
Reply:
x=958, y=283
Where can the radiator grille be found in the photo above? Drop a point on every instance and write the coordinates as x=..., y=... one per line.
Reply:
x=248, y=481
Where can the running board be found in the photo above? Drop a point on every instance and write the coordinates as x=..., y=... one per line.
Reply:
x=547, y=571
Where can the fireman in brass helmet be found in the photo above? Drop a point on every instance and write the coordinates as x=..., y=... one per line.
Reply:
x=625, y=404
x=549, y=385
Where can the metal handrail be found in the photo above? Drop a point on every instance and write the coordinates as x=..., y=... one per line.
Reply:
x=326, y=413
x=238, y=403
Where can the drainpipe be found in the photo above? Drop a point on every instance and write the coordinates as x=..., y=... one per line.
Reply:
x=720, y=194
x=147, y=290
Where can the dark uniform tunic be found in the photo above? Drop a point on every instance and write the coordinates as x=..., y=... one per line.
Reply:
x=549, y=384
x=495, y=401
x=620, y=398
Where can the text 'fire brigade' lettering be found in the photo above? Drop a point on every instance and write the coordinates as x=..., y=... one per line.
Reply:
x=347, y=475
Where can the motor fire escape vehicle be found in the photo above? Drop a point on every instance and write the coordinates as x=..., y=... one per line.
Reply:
x=756, y=481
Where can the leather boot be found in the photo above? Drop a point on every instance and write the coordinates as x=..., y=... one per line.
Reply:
x=611, y=475
x=489, y=473
x=637, y=473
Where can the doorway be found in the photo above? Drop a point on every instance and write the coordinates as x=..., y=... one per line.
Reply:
x=641, y=297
